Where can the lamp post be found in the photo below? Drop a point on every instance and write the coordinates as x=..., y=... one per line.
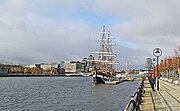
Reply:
x=157, y=52
x=154, y=61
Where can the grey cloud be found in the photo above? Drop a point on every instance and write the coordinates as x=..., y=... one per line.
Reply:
x=47, y=42
x=31, y=32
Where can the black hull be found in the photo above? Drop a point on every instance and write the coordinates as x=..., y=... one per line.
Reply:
x=100, y=78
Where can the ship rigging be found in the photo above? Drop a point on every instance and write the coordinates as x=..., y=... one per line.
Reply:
x=104, y=72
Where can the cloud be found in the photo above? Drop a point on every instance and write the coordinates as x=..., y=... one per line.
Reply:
x=147, y=24
x=40, y=39
x=39, y=31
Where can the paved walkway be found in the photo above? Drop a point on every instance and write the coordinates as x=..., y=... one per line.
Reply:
x=166, y=99
x=151, y=99
x=170, y=94
x=147, y=104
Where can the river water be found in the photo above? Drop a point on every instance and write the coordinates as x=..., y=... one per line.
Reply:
x=62, y=94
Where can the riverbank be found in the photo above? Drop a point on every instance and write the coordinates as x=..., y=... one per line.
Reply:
x=37, y=75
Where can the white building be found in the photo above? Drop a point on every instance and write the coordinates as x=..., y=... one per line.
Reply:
x=70, y=67
x=49, y=66
x=31, y=66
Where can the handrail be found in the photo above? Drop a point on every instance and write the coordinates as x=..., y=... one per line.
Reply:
x=136, y=99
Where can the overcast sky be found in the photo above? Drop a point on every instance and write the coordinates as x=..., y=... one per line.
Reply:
x=35, y=31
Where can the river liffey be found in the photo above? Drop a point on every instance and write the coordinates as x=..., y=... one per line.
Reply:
x=62, y=94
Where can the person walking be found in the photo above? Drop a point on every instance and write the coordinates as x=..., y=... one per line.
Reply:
x=153, y=81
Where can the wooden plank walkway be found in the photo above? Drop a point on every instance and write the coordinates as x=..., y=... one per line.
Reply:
x=147, y=104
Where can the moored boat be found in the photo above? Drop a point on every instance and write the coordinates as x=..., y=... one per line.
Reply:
x=103, y=71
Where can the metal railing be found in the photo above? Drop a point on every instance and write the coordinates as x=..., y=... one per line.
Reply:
x=136, y=99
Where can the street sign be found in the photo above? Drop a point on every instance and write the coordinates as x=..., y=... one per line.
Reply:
x=157, y=52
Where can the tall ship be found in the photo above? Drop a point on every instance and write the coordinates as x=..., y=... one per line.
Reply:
x=103, y=70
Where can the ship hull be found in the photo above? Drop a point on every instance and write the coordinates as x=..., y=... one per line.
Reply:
x=100, y=78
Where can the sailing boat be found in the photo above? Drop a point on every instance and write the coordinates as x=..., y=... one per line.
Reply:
x=103, y=71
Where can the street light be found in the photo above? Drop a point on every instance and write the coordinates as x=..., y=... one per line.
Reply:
x=157, y=52
x=154, y=60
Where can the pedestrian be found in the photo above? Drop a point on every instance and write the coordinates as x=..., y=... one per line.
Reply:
x=152, y=81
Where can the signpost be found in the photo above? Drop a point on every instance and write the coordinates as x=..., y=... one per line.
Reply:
x=157, y=52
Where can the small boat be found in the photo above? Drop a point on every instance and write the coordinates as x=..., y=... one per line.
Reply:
x=130, y=79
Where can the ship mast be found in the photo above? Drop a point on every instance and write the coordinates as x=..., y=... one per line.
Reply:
x=105, y=55
x=109, y=49
x=102, y=49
